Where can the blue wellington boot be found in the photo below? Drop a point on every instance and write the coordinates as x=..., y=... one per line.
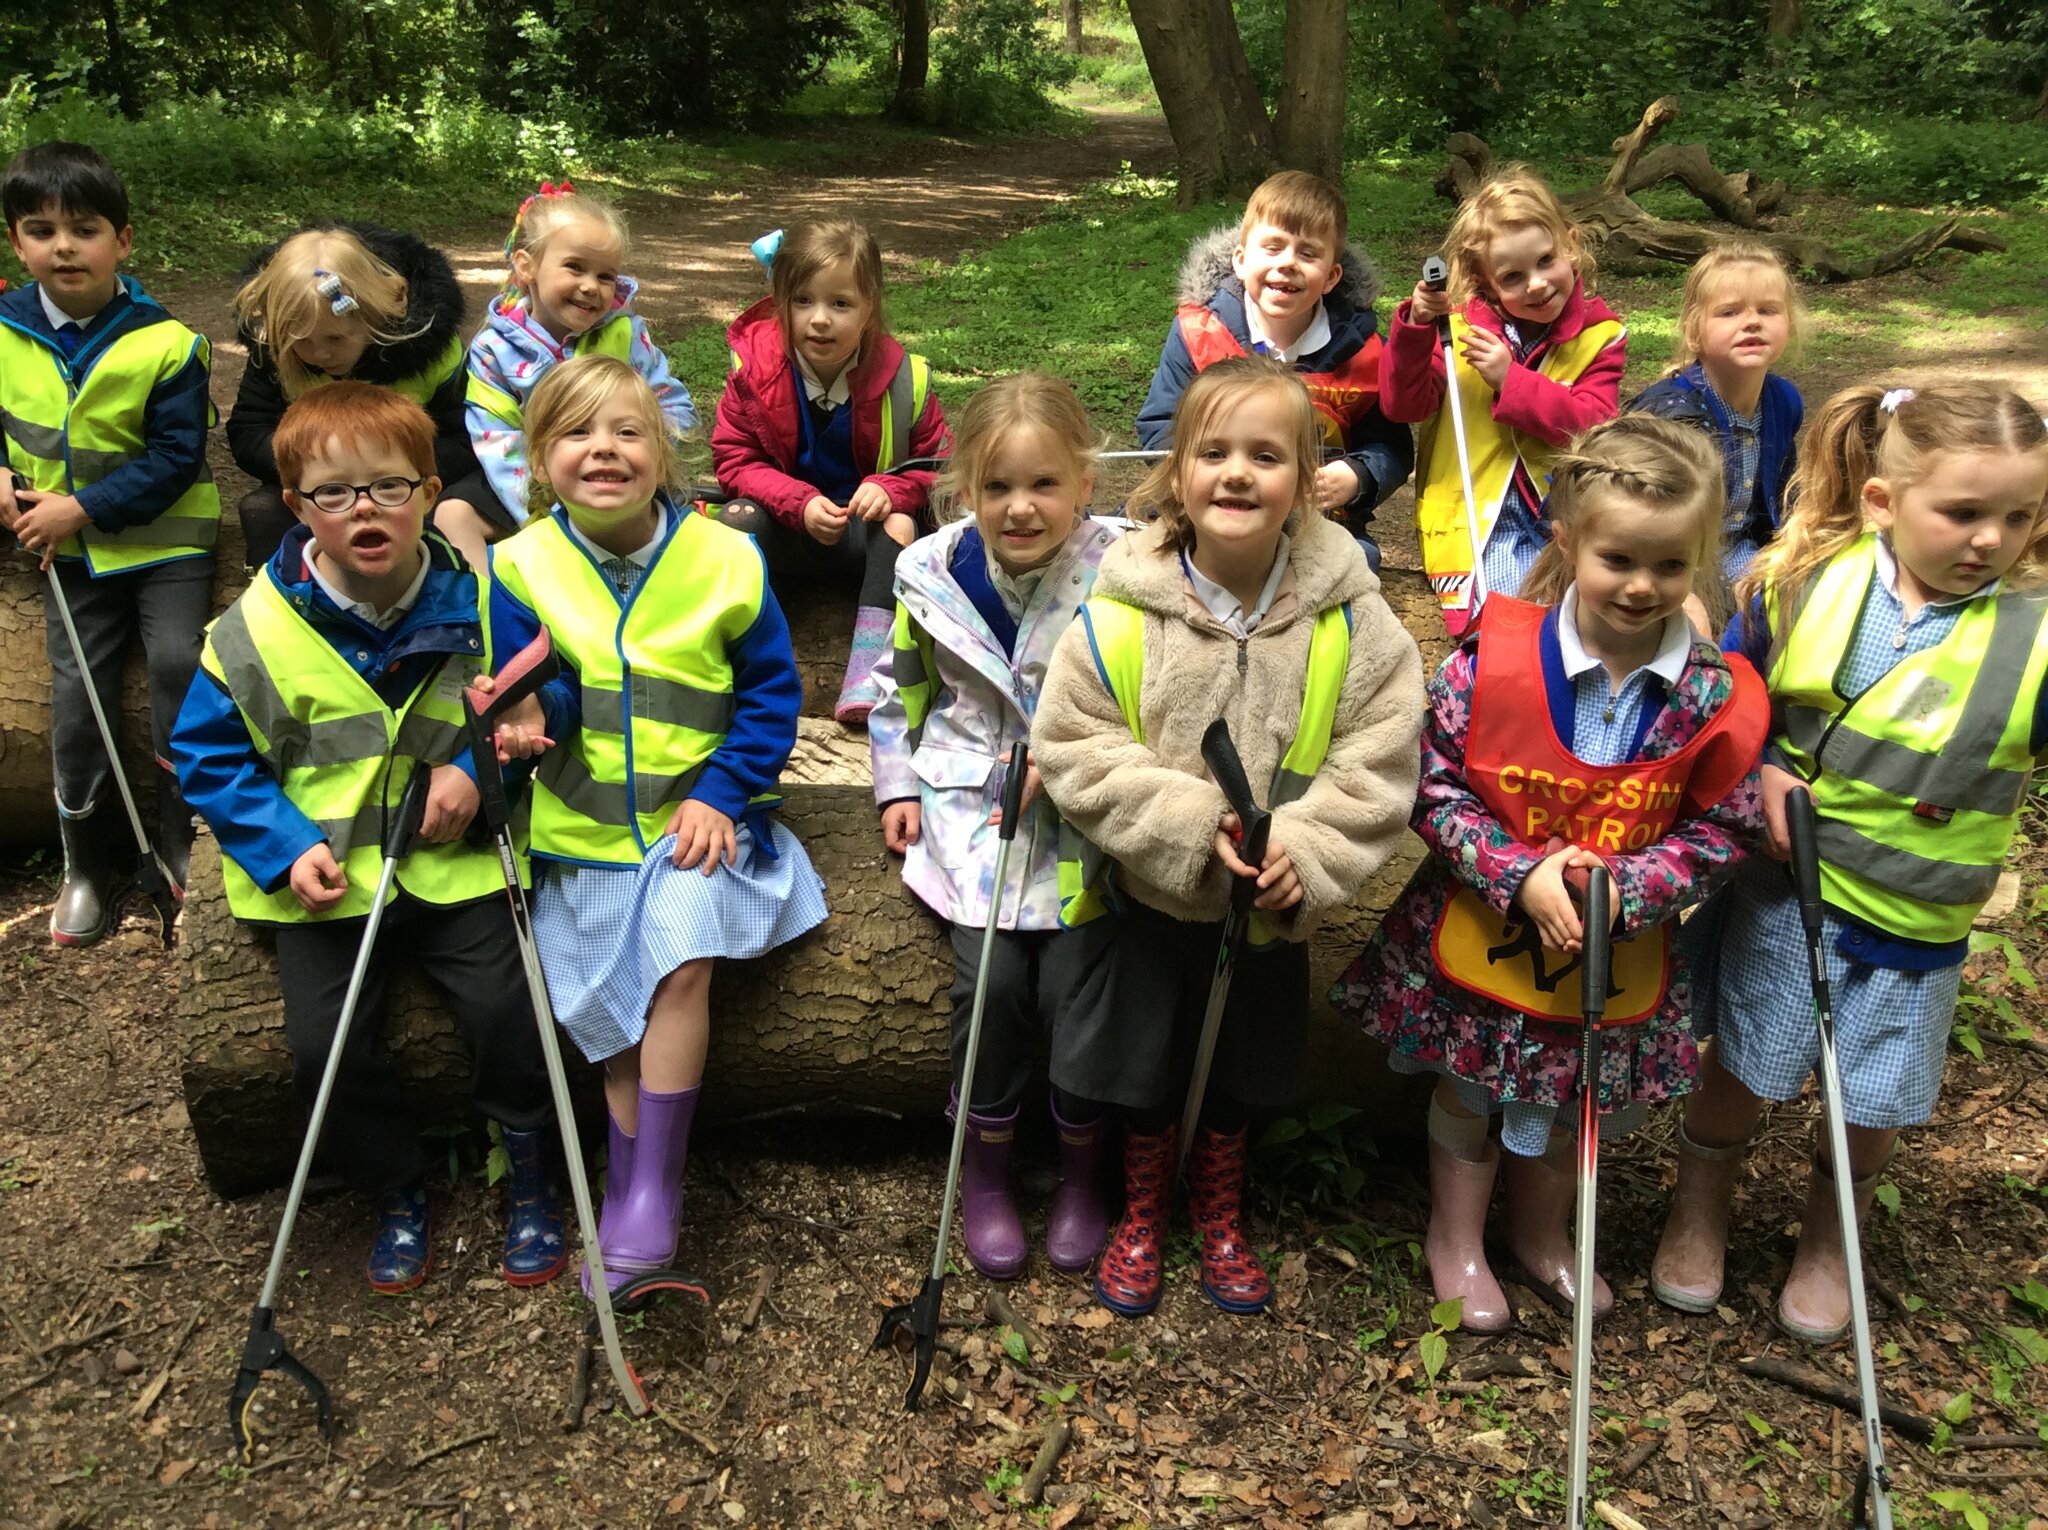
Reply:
x=399, y=1258
x=536, y=1249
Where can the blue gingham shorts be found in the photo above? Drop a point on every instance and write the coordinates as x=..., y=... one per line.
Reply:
x=1891, y=1027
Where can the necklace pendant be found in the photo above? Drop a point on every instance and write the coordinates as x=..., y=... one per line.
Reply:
x=1899, y=638
x=1607, y=715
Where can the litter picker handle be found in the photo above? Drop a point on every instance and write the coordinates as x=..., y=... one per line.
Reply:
x=1436, y=276
x=523, y=674
x=1255, y=825
x=1596, y=948
x=1805, y=829
x=1013, y=790
x=412, y=807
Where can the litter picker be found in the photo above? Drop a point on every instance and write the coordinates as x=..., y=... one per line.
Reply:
x=1873, y=1508
x=152, y=876
x=265, y=1349
x=1595, y=952
x=1437, y=277
x=920, y=1315
x=529, y=669
x=1254, y=826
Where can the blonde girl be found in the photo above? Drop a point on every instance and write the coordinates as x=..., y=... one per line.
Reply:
x=1596, y=679
x=1899, y=622
x=1241, y=602
x=566, y=296
x=979, y=608
x=820, y=419
x=652, y=822
x=345, y=300
x=1739, y=314
x=1539, y=359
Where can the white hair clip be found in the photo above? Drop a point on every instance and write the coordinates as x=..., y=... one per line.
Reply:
x=1891, y=401
x=328, y=285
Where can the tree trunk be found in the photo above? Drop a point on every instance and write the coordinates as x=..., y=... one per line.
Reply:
x=1786, y=19
x=852, y=1015
x=1070, y=17
x=914, y=70
x=1204, y=82
x=1308, y=125
x=119, y=73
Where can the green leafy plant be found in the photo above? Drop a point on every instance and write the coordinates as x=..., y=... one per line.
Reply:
x=1319, y=1158
x=1435, y=1346
x=1005, y=1477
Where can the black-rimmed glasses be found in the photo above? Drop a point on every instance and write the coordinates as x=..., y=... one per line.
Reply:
x=340, y=498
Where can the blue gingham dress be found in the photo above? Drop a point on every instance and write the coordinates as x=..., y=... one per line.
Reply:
x=608, y=935
x=1891, y=1026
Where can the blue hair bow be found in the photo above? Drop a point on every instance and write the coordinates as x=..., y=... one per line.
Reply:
x=765, y=247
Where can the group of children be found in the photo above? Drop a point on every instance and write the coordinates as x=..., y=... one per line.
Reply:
x=1886, y=650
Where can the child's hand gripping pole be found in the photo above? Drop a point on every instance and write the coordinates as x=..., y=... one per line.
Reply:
x=1437, y=277
x=1595, y=963
x=1254, y=827
x=264, y=1349
x=526, y=672
x=1873, y=1510
x=919, y=1317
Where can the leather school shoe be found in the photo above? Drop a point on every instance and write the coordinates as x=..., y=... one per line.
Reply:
x=989, y=1225
x=1814, y=1306
x=536, y=1249
x=399, y=1258
x=1460, y=1192
x=1692, y=1256
x=1080, y=1215
x=1232, y=1276
x=1128, y=1278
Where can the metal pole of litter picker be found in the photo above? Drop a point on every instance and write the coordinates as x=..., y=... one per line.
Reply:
x=1873, y=1492
x=1595, y=952
x=1436, y=275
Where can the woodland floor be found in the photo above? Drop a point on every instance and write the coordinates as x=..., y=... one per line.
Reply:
x=125, y=1282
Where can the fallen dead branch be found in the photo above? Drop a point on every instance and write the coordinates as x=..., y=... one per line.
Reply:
x=998, y=1308
x=1915, y=1426
x=450, y=1448
x=155, y=1389
x=1050, y=1450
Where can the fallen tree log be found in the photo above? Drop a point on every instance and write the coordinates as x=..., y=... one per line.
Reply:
x=854, y=1014
x=1626, y=238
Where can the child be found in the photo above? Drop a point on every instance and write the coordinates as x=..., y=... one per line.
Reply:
x=979, y=608
x=360, y=620
x=1241, y=603
x=566, y=297
x=1286, y=284
x=1599, y=695
x=1539, y=359
x=106, y=410
x=821, y=408
x=346, y=300
x=1739, y=312
x=1900, y=618
x=651, y=807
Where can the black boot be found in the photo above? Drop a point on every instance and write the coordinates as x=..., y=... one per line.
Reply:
x=90, y=900
x=174, y=828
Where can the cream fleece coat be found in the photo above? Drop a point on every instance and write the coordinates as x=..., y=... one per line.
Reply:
x=1152, y=808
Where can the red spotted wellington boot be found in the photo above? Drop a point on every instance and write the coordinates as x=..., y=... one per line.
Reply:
x=1127, y=1277
x=1231, y=1272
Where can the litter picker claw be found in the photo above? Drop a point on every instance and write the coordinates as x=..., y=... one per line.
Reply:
x=523, y=674
x=265, y=1349
x=1595, y=961
x=1873, y=1507
x=919, y=1317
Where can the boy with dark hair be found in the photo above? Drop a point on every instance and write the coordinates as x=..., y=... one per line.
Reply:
x=104, y=400
x=340, y=667
x=1286, y=284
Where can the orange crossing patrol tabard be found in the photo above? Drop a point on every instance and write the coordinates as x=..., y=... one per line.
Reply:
x=1539, y=791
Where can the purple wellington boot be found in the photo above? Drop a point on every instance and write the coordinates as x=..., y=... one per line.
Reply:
x=618, y=1175
x=1079, y=1219
x=642, y=1234
x=989, y=1224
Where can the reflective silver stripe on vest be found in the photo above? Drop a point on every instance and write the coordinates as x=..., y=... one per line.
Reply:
x=563, y=772
x=345, y=834
x=422, y=737
x=165, y=531
x=656, y=699
x=909, y=667
x=1961, y=774
x=293, y=744
x=901, y=396
x=1914, y=876
x=37, y=440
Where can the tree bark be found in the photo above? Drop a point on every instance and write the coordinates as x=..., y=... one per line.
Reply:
x=1786, y=19
x=120, y=66
x=1070, y=19
x=853, y=1015
x=1308, y=125
x=1199, y=70
x=914, y=70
